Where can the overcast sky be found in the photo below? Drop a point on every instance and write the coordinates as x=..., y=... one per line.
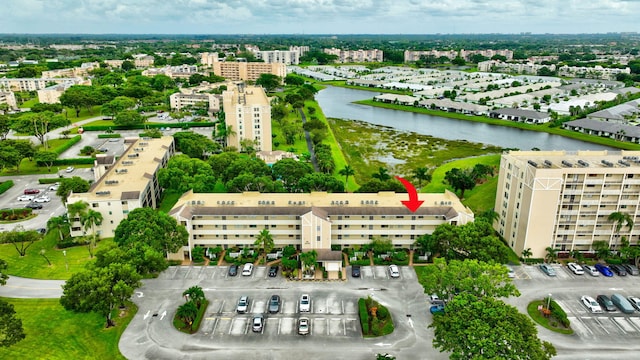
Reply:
x=318, y=16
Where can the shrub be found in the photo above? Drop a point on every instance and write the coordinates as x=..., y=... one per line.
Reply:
x=382, y=313
x=48, y=180
x=197, y=254
x=364, y=316
x=558, y=313
x=67, y=145
x=147, y=126
x=288, y=251
x=108, y=136
x=6, y=186
x=363, y=262
x=614, y=261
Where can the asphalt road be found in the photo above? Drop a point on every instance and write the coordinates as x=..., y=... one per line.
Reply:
x=18, y=287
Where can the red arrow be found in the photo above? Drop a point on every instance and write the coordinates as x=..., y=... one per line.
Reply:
x=413, y=203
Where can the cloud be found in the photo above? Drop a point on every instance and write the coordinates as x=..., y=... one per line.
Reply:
x=319, y=16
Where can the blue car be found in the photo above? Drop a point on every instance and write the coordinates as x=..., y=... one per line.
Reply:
x=604, y=270
x=437, y=307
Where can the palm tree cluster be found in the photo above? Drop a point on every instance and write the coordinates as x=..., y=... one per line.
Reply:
x=89, y=219
x=188, y=312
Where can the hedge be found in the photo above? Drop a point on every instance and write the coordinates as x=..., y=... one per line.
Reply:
x=364, y=316
x=67, y=145
x=184, y=125
x=48, y=180
x=558, y=313
x=6, y=186
x=108, y=136
x=73, y=161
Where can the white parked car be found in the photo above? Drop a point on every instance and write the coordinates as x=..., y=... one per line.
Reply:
x=394, y=272
x=54, y=187
x=42, y=199
x=243, y=305
x=575, y=268
x=26, y=197
x=510, y=273
x=69, y=169
x=591, y=304
x=305, y=303
x=635, y=302
x=247, y=269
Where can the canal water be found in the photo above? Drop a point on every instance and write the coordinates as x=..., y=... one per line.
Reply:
x=337, y=102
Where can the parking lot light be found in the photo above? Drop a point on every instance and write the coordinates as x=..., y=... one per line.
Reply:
x=549, y=302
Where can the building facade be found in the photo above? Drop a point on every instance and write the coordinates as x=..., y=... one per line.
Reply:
x=131, y=182
x=35, y=84
x=279, y=56
x=9, y=98
x=248, y=112
x=247, y=71
x=312, y=221
x=372, y=55
x=563, y=199
x=180, y=100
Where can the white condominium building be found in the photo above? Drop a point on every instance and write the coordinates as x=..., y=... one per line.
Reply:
x=563, y=199
x=130, y=183
x=312, y=221
x=248, y=111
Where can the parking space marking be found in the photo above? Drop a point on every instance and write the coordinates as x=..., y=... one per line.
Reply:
x=521, y=274
x=320, y=326
x=320, y=307
x=288, y=307
x=287, y=325
x=258, y=306
x=272, y=326
x=209, y=325
x=336, y=327
x=366, y=271
x=223, y=327
x=353, y=325
x=600, y=320
x=215, y=305
x=334, y=306
x=580, y=327
x=380, y=272
x=635, y=321
x=624, y=324
x=239, y=326
x=350, y=307
x=407, y=272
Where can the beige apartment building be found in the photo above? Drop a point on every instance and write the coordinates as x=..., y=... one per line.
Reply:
x=34, y=84
x=311, y=221
x=178, y=101
x=370, y=55
x=248, y=111
x=562, y=199
x=247, y=71
x=129, y=183
x=9, y=98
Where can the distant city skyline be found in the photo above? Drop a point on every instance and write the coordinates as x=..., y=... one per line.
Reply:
x=318, y=16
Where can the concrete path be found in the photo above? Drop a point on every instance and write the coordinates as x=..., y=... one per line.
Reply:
x=18, y=287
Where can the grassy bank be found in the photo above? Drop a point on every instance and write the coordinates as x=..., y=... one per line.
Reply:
x=55, y=333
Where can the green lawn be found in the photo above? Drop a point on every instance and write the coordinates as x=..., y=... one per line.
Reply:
x=169, y=199
x=55, y=333
x=33, y=265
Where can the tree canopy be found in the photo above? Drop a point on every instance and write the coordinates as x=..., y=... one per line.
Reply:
x=183, y=173
x=475, y=240
x=156, y=229
x=11, y=330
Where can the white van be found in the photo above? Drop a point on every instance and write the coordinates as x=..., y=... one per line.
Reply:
x=247, y=269
x=575, y=268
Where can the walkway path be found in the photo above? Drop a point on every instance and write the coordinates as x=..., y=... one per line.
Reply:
x=314, y=161
x=18, y=287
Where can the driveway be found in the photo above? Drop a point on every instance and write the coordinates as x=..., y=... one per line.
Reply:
x=18, y=287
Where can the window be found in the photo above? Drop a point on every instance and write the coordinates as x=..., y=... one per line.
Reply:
x=95, y=205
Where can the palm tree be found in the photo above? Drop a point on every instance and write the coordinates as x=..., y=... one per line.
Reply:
x=225, y=132
x=382, y=174
x=90, y=220
x=421, y=174
x=264, y=240
x=526, y=254
x=308, y=259
x=195, y=294
x=621, y=219
x=76, y=209
x=601, y=248
x=577, y=255
x=187, y=312
x=60, y=224
x=346, y=171
x=552, y=254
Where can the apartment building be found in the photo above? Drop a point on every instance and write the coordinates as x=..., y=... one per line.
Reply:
x=81, y=71
x=372, y=55
x=302, y=49
x=182, y=71
x=247, y=71
x=35, y=84
x=279, y=56
x=562, y=199
x=415, y=55
x=312, y=221
x=248, y=112
x=8, y=97
x=178, y=101
x=51, y=94
x=207, y=58
x=131, y=182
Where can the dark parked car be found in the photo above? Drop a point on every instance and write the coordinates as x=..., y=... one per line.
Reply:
x=355, y=271
x=606, y=303
x=273, y=271
x=233, y=270
x=631, y=269
x=604, y=270
x=34, y=205
x=623, y=304
x=618, y=269
x=274, y=304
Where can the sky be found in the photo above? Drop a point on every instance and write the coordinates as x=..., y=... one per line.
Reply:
x=318, y=16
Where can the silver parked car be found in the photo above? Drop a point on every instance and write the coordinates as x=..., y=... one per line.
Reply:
x=547, y=269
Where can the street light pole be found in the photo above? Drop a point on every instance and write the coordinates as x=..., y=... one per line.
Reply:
x=548, y=301
x=66, y=264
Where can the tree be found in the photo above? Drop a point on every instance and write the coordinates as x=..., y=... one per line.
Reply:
x=187, y=312
x=46, y=158
x=460, y=180
x=474, y=240
x=526, y=254
x=269, y=81
x=478, y=278
x=39, y=124
x=78, y=97
x=148, y=226
x=195, y=145
x=293, y=79
x=320, y=182
x=90, y=219
x=20, y=238
x=426, y=244
x=59, y=224
x=183, y=173
x=195, y=294
x=75, y=184
x=346, y=171
x=385, y=357
x=382, y=174
x=128, y=118
x=308, y=259
x=552, y=254
x=117, y=105
x=375, y=185
x=620, y=219
x=289, y=172
x=5, y=126
x=127, y=65
x=265, y=241
x=11, y=331
x=421, y=174
x=3, y=272
x=381, y=245
x=601, y=248
x=142, y=257
x=162, y=82
x=100, y=289
x=486, y=328
x=458, y=61
x=12, y=152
